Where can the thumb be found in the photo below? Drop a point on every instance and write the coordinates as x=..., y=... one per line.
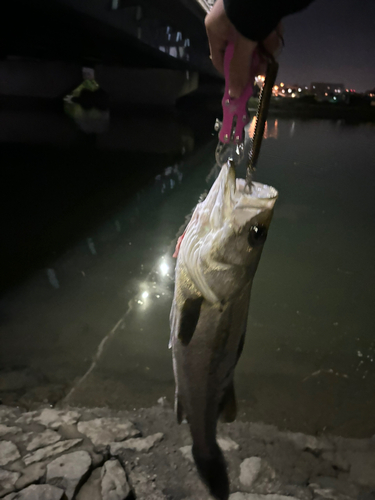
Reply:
x=239, y=70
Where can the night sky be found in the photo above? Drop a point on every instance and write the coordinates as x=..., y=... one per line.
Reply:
x=331, y=41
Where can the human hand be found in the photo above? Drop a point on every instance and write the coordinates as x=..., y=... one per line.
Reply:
x=220, y=31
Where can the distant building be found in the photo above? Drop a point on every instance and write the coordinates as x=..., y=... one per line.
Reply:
x=286, y=90
x=328, y=91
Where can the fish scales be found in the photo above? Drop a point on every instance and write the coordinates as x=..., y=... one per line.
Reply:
x=217, y=258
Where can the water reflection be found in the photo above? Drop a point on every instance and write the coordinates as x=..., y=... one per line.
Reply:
x=271, y=129
x=169, y=178
x=133, y=131
x=310, y=316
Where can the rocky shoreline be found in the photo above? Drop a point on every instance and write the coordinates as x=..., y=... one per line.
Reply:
x=102, y=454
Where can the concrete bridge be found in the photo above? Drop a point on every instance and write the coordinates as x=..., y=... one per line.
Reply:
x=140, y=48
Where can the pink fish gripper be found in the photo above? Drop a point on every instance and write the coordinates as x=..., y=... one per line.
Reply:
x=235, y=114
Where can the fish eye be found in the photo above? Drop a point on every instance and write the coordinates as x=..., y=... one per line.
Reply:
x=257, y=235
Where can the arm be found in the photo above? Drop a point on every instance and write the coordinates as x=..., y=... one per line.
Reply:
x=247, y=22
x=256, y=19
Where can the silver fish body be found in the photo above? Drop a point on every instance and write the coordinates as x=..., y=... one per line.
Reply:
x=216, y=263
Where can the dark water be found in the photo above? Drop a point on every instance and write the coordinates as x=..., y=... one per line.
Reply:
x=88, y=281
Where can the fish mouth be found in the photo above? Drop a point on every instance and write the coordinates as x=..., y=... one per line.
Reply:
x=230, y=185
x=258, y=190
x=229, y=194
x=237, y=193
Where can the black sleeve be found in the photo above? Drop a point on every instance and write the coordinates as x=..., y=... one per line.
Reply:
x=256, y=19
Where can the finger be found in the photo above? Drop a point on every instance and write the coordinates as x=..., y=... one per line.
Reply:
x=217, y=51
x=239, y=71
x=218, y=28
x=274, y=42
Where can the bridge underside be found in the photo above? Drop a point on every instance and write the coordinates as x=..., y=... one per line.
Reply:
x=133, y=33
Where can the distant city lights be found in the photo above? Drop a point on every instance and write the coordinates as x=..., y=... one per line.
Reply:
x=319, y=90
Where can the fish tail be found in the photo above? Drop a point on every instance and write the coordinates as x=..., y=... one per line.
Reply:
x=213, y=471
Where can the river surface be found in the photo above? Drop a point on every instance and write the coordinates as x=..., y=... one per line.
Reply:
x=88, y=322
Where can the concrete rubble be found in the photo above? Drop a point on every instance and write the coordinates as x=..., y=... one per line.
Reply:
x=114, y=485
x=69, y=471
x=103, y=454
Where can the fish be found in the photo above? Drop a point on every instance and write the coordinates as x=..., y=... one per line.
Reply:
x=217, y=257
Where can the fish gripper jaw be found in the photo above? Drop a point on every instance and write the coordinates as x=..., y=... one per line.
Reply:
x=235, y=113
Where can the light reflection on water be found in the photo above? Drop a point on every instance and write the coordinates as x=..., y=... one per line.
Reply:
x=270, y=128
x=308, y=360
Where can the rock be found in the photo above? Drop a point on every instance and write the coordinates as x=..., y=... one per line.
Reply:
x=306, y=442
x=23, y=437
x=299, y=475
x=322, y=493
x=137, y=444
x=70, y=432
x=4, y=430
x=362, y=468
x=49, y=417
x=293, y=490
x=37, y=492
x=187, y=453
x=91, y=490
x=350, y=444
x=103, y=431
x=96, y=458
x=8, y=452
x=144, y=487
x=7, y=481
x=27, y=418
x=54, y=418
x=16, y=466
x=114, y=484
x=163, y=401
x=43, y=439
x=250, y=469
x=337, y=460
x=6, y=412
x=227, y=444
x=254, y=496
x=332, y=483
x=30, y=475
x=69, y=471
x=50, y=451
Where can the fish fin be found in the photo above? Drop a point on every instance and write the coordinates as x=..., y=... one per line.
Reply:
x=189, y=319
x=178, y=410
x=178, y=245
x=228, y=405
x=213, y=471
